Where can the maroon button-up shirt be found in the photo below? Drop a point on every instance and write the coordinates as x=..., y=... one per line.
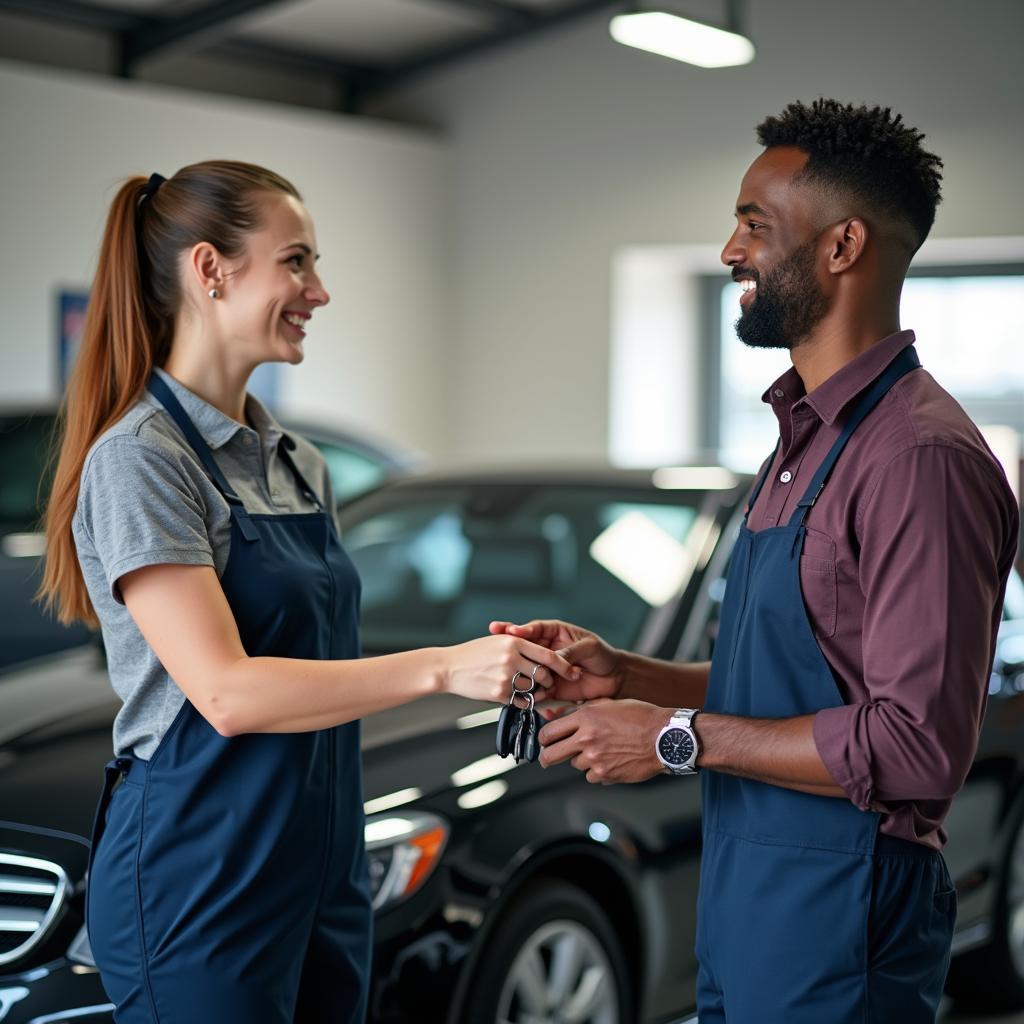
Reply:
x=903, y=571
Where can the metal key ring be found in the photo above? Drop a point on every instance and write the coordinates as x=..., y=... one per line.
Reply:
x=526, y=694
x=529, y=689
x=533, y=676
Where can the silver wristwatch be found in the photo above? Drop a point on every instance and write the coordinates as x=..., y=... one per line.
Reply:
x=677, y=746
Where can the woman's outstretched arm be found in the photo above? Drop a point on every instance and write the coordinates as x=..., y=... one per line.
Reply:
x=184, y=616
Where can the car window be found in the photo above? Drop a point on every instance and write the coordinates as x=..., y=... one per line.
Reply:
x=1013, y=605
x=24, y=450
x=352, y=472
x=438, y=566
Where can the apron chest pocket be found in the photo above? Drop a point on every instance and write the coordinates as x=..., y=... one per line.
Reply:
x=818, y=582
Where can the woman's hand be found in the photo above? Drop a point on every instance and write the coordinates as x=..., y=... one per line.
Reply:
x=483, y=669
x=603, y=667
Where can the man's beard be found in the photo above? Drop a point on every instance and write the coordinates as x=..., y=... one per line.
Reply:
x=788, y=305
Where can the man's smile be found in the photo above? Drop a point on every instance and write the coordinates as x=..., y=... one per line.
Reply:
x=748, y=283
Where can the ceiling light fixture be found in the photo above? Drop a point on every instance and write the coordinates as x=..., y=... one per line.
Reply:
x=672, y=35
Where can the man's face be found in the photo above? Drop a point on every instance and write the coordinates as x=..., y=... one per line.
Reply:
x=774, y=250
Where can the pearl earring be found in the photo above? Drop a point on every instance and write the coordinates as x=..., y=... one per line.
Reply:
x=213, y=293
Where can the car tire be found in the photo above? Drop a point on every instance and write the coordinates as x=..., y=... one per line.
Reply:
x=553, y=950
x=991, y=977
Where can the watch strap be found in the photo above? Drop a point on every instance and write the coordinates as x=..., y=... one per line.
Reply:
x=682, y=718
x=685, y=717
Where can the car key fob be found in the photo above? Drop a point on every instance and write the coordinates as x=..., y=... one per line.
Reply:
x=531, y=744
x=520, y=735
x=517, y=726
x=508, y=723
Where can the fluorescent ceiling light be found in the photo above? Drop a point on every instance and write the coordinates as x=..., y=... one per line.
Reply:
x=386, y=803
x=682, y=39
x=485, y=768
x=475, y=718
x=482, y=795
x=24, y=545
x=699, y=478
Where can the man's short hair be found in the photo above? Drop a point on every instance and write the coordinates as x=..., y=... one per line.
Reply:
x=866, y=153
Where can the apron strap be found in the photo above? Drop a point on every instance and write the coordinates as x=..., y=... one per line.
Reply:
x=906, y=361
x=163, y=394
x=284, y=450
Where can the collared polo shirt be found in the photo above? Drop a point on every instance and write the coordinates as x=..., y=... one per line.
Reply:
x=903, y=571
x=146, y=499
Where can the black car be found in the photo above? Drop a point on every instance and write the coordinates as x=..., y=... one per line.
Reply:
x=356, y=465
x=503, y=894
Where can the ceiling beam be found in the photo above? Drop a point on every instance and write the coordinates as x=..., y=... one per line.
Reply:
x=432, y=60
x=209, y=27
x=296, y=60
x=508, y=14
x=194, y=30
x=73, y=12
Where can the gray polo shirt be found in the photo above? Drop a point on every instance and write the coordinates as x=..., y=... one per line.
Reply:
x=145, y=499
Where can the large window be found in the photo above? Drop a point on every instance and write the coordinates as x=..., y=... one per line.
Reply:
x=969, y=323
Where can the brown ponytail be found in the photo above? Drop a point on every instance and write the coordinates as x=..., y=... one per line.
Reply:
x=129, y=325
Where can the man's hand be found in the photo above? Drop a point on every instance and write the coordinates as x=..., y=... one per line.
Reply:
x=603, y=667
x=612, y=741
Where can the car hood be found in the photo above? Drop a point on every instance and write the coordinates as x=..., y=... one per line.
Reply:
x=55, y=737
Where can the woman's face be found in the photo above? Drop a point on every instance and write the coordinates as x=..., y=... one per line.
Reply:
x=269, y=297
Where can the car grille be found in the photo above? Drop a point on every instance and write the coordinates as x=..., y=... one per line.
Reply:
x=32, y=892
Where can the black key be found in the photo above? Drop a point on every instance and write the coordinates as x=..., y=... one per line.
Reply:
x=518, y=726
x=521, y=729
x=508, y=723
x=531, y=744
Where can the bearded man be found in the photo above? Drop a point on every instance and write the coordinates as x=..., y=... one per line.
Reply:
x=841, y=711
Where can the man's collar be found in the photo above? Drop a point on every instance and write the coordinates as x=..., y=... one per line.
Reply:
x=829, y=398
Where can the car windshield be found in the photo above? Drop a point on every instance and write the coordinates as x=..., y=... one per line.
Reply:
x=439, y=563
x=24, y=451
x=352, y=472
x=1013, y=606
x=24, y=469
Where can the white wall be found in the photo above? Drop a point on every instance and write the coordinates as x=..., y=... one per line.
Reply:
x=569, y=148
x=378, y=194
x=472, y=277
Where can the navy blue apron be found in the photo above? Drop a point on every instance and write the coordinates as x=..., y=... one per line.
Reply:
x=228, y=878
x=804, y=916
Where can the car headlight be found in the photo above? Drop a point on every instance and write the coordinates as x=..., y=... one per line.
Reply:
x=402, y=849
x=80, y=952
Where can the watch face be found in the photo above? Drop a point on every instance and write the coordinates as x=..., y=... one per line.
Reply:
x=676, y=746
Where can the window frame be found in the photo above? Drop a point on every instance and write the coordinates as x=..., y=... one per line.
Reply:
x=710, y=305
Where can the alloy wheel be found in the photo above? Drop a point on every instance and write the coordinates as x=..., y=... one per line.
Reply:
x=561, y=975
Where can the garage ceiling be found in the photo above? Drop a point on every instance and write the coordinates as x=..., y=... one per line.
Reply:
x=369, y=46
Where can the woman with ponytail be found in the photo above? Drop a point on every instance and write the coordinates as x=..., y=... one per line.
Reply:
x=227, y=879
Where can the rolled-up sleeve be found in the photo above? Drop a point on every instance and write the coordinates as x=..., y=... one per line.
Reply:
x=936, y=538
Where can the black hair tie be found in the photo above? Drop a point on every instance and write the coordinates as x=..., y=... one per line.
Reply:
x=155, y=181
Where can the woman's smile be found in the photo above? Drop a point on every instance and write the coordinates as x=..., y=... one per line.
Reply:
x=296, y=322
